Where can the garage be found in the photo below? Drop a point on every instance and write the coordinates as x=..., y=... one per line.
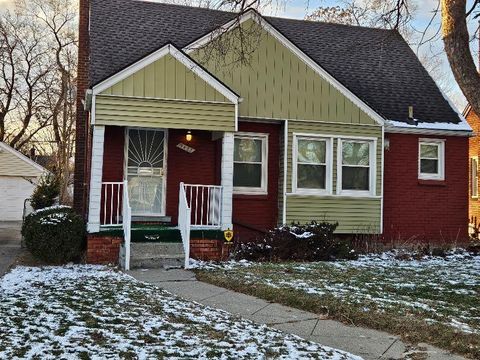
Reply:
x=18, y=178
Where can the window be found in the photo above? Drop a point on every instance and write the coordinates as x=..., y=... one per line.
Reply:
x=474, y=177
x=250, y=164
x=431, y=159
x=312, y=164
x=356, y=167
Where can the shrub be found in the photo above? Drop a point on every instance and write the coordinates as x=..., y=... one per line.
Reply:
x=46, y=192
x=311, y=242
x=54, y=235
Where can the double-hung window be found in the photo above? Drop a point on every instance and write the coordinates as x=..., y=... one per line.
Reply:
x=312, y=165
x=250, y=163
x=474, y=177
x=356, y=167
x=431, y=159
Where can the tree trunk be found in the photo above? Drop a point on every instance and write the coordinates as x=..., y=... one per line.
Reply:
x=456, y=41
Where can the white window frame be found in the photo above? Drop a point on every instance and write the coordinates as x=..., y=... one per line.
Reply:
x=473, y=180
x=263, y=189
x=372, y=142
x=328, y=165
x=440, y=175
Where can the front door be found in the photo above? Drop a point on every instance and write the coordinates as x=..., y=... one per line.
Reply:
x=146, y=171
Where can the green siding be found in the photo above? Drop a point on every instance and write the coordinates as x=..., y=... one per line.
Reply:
x=157, y=113
x=166, y=78
x=276, y=84
x=353, y=214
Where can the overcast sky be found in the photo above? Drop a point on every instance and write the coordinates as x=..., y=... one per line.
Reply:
x=425, y=8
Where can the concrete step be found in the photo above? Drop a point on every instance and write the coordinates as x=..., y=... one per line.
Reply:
x=156, y=255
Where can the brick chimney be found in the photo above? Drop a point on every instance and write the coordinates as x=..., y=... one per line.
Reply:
x=82, y=118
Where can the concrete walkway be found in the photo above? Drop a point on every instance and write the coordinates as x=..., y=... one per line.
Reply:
x=367, y=343
x=9, y=243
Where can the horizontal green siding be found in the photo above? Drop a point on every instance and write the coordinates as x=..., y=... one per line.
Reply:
x=276, y=84
x=156, y=113
x=166, y=78
x=354, y=215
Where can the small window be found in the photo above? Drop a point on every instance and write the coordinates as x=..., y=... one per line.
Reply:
x=474, y=177
x=250, y=164
x=357, y=166
x=431, y=159
x=312, y=165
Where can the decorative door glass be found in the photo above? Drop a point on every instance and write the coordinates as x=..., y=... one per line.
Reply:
x=145, y=171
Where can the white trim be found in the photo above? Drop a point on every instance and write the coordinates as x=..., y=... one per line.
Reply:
x=471, y=177
x=252, y=14
x=285, y=172
x=96, y=173
x=371, y=192
x=156, y=55
x=383, y=179
x=336, y=196
x=165, y=99
x=263, y=189
x=339, y=136
x=227, y=180
x=328, y=165
x=438, y=129
x=440, y=143
x=92, y=116
x=22, y=157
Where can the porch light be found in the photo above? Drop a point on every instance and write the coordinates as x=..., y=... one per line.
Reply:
x=189, y=136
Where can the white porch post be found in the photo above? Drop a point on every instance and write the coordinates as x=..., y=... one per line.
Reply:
x=227, y=180
x=96, y=179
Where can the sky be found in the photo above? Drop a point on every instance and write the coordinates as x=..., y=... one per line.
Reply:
x=424, y=9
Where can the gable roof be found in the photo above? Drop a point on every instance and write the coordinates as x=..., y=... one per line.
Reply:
x=14, y=163
x=376, y=65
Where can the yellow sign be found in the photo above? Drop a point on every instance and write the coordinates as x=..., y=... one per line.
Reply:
x=228, y=235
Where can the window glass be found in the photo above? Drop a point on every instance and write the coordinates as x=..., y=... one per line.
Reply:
x=311, y=163
x=355, y=165
x=249, y=169
x=430, y=160
x=474, y=177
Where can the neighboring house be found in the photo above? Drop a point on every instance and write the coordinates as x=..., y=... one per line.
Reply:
x=18, y=178
x=473, y=156
x=326, y=122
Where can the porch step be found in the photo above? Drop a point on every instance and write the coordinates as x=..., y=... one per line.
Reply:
x=155, y=234
x=153, y=255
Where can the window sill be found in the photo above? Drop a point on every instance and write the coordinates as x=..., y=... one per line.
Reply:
x=250, y=196
x=432, y=182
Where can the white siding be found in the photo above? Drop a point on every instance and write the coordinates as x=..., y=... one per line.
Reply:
x=13, y=192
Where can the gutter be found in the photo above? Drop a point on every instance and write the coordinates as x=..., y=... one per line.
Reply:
x=424, y=128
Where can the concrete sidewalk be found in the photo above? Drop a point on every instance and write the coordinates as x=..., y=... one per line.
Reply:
x=367, y=343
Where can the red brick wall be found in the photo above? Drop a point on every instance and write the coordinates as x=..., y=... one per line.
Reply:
x=427, y=211
x=210, y=250
x=259, y=211
x=103, y=249
x=473, y=150
x=199, y=167
x=82, y=120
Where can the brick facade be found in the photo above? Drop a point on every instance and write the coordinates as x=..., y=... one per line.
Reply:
x=209, y=250
x=103, y=249
x=82, y=118
x=473, y=150
x=429, y=211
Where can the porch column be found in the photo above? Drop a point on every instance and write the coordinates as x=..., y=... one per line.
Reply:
x=227, y=180
x=96, y=171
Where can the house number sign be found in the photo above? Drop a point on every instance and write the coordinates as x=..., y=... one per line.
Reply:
x=186, y=148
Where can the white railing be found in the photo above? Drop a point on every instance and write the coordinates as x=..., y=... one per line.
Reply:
x=205, y=202
x=184, y=222
x=112, y=193
x=127, y=224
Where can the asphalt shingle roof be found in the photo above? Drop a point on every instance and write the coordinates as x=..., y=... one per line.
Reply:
x=376, y=65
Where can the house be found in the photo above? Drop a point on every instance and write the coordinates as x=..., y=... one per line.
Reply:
x=473, y=154
x=324, y=122
x=18, y=178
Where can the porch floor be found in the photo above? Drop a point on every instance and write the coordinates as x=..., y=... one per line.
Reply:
x=160, y=233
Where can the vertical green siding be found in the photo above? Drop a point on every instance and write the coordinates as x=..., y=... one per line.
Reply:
x=276, y=84
x=166, y=78
x=354, y=214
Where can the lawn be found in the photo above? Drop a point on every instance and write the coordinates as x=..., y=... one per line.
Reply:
x=83, y=312
x=433, y=300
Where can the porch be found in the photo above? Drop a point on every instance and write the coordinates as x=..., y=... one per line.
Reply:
x=139, y=189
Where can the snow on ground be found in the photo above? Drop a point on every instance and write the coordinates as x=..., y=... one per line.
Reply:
x=95, y=312
x=439, y=290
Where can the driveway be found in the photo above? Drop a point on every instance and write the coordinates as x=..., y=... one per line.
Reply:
x=10, y=238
